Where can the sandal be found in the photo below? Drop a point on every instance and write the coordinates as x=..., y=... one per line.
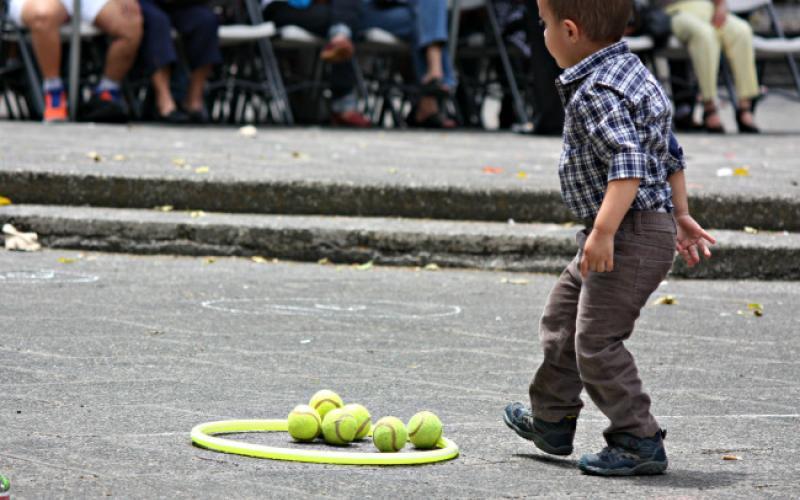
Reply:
x=434, y=88
x=710, y=110
x=745, y=128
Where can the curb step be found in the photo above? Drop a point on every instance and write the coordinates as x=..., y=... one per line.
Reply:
x=528, y=247
x=448, y=202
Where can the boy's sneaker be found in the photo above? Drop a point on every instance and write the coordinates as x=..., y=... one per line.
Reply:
x=55, y=105
x=627, y=455
x=554, y=438
x=106, y=106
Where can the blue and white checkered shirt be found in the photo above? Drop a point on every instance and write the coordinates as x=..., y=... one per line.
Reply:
x=618, y=126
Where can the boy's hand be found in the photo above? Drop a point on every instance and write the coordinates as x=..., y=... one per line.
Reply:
x=692, y=240
x=598, y=253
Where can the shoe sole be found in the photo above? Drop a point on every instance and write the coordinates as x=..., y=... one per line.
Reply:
x=537, y=440
x=645, y=469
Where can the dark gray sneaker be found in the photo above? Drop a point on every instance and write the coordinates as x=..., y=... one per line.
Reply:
x=554, y=438
x=627, y=455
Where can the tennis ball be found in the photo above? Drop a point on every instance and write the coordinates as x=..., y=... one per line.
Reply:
x=389, y=434
x=324, y=401
x=304, y=423
x=339, y=427
x=363, y=419
x=424, y=430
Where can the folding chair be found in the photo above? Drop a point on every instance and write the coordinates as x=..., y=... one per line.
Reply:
x=499, y=50
x=777, y=45
x=250, y=82
x=382, y=81
x=19, y=80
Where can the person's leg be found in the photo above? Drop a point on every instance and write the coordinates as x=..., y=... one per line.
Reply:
x=555, y=389
x=157, y=53
x=548, y=112
x=432, y=29
x=691, y=24
x=122, y=21
x=44, y=18
x=198, y=28
x=737, y=41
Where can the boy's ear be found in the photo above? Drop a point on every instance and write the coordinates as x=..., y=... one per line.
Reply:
x=572, y=30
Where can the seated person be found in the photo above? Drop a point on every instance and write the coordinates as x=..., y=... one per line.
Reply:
x=121, y=20
x=335, y=20
x=706, y=27
x=422, y=23
x=197, y=26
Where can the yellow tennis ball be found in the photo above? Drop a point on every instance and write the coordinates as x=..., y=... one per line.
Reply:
x=389, y=434
x=339, y=427
x=424, y=430
x=363, y=419
x=304, y=423
x=324, y=401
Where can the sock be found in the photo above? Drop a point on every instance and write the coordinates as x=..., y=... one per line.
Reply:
x=53, y=84
x=107, y=83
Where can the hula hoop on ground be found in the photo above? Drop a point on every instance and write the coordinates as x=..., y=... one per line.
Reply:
x=203, y=435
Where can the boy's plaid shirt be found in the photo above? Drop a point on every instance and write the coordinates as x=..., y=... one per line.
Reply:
x=618, y=126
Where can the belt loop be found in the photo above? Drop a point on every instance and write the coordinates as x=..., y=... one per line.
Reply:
x=637, y=222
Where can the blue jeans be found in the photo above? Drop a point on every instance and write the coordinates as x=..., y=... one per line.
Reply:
x=420, y=23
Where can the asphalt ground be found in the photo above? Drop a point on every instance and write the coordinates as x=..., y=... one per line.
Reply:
x=107, y=362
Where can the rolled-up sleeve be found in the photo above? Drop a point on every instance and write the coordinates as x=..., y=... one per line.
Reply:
x=675, y=160
x=613, y=135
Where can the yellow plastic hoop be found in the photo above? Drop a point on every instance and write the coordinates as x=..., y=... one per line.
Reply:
x=204, y=435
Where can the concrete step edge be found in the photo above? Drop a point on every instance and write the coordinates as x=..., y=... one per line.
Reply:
x=347, y=199
x=389, y=241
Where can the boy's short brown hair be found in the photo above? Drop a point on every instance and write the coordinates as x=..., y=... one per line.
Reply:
x=602, y=20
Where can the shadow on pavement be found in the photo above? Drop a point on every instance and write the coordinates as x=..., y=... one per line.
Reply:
x=674, y=478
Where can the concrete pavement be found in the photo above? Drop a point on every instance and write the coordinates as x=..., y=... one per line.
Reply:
x=108, y=360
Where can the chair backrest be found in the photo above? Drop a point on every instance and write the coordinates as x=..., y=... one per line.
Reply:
x=466, y=4
x=737, y=6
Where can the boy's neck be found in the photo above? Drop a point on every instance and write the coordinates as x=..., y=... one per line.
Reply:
x=588, y=48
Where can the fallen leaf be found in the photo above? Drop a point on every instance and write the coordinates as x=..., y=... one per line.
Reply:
x=514, y=281
x=324, y=261
x=194, y=214
x=492, y=170
x=258, y=259
x=201, y=170
x=522, y=175
x=742, y=171
x=757, y=309
x=248, y=131
x=209, y=260
x=392, y=171
x=297, y=155
x=4, y=201
x=364, y=267
x=306, y=341
x=431, y=267
x=667, y=300
x=750, y=230
x=93, y=155
x=178, y=162
x=66, y=260
x=164, y=208
x=119, y=158
x=731, y=457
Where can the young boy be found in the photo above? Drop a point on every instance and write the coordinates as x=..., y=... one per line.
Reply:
x=621, y=171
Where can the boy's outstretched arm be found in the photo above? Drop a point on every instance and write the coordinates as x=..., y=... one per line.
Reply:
x=692, y=238
x=598, y=252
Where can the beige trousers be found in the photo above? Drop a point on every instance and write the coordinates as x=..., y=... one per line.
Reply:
x=691, y=24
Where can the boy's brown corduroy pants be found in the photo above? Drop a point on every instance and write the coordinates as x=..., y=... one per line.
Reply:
x=586, y=322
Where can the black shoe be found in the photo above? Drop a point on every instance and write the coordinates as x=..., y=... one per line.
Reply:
x=105, y=107
x=198, y=117
x=745, y=128
x=174, y=117
x=628, y=455
x=554, y=438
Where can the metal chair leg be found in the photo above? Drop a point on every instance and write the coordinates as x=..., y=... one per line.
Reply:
x=519, y=105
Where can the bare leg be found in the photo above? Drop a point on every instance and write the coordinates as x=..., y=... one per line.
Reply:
x=711, y=119
x=433, y=57
x=122, y=21
x=164, y=101
x=746, y=113
x=197, y=82
x=43, y=18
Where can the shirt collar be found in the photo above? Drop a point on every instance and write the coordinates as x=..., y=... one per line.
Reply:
x=594, y=61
